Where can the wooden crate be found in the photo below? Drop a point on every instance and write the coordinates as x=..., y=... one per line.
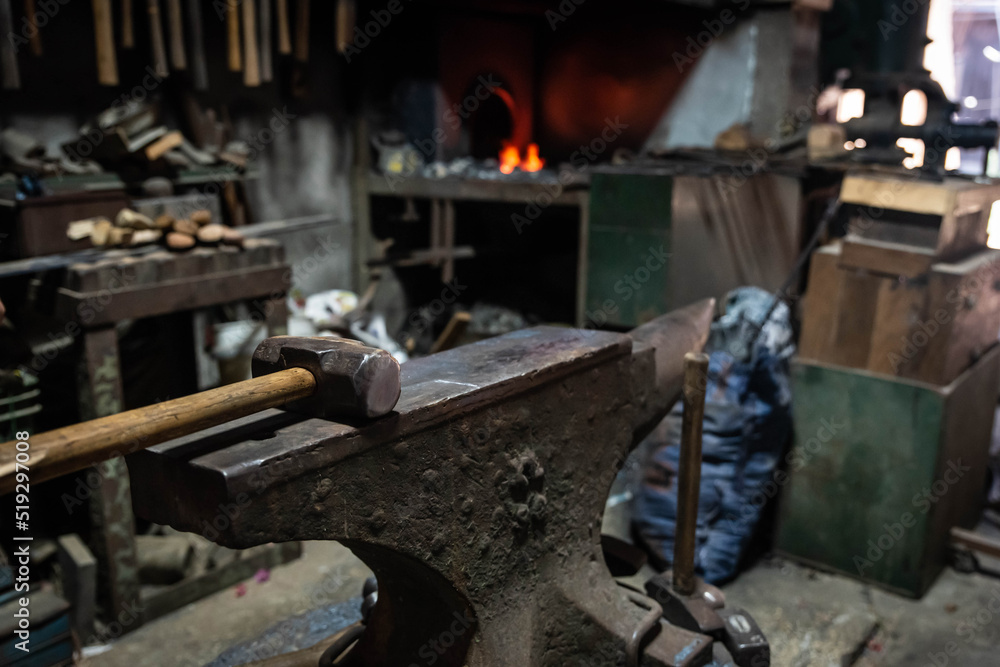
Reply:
x=948, y=217
x=928, y=327
x=37, y=225
x=869, y=448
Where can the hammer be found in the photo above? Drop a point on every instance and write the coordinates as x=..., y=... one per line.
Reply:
x=688, y=601
x=329, y=378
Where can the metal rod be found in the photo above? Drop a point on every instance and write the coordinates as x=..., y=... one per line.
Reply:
x=689, y=472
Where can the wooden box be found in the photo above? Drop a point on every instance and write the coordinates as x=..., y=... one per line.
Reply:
x=37, y=225
x=883, y=468
x=928, y=327
x=948, y=218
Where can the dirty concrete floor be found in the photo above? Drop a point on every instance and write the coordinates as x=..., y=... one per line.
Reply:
x=326, y=574
x=812, y=619
x=815, y=619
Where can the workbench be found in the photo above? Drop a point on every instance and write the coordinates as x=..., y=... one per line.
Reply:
x=116, y=285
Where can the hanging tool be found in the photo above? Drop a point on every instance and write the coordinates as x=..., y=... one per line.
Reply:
x=302, y=32
x=128, y=25
x=178, y=58
x=284, y=36
x=196, y=30
x=346, y=17
x=104, y=35
x=324, y=377
x=159, y=49
x=8, y=51
x=266, y=56
x=251, y=56
x=233, y=36
x=34, y=36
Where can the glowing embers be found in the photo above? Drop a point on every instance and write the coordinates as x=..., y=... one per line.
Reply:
x=510, y=159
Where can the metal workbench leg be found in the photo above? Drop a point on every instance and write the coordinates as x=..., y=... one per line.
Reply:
x=113, y=534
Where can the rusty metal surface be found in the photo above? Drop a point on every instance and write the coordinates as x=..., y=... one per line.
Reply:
x=478, y=503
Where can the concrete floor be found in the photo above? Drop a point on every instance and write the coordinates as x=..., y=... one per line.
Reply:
x=812, y=619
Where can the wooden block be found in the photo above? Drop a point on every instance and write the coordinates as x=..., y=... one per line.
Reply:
x=899, y=308
x=964, y=304
x=819, y=305
x=856, y=306
x=167, y=142
x=894, y=259
x=79, y=583
x=962, y=205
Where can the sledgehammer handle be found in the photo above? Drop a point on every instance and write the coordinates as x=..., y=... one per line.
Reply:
x=689, y=473
x=73, y=448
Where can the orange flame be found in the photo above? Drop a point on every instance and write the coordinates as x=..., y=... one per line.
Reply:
x=532, y=162
x=510, y=157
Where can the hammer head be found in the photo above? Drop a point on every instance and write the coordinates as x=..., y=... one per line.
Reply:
x=352, y=379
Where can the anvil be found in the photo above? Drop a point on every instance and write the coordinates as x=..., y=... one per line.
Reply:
x=477, y=503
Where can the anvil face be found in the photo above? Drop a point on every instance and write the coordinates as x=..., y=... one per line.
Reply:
x=477, y=504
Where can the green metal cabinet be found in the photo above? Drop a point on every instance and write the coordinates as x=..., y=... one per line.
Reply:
x=883, y=468
x=627, y=276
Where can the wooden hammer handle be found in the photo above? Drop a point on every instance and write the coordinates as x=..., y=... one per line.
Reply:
x=689, y=471
x=128, y=25
x=251, y=56
x=178, y=58
x=156, y=36
x=107, y=65
x=302, y=32
x=75, y=447
x=233, y=36
x=284, y=32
